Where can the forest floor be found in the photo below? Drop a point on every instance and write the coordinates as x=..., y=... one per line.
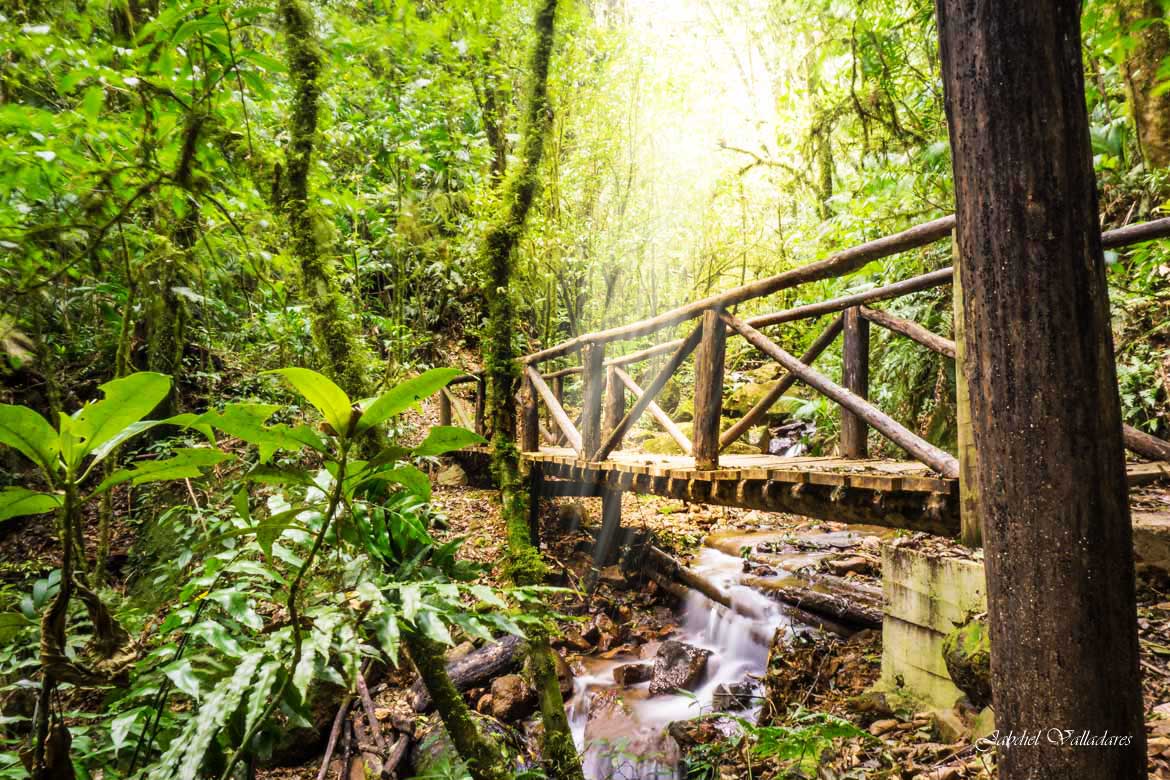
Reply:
x=628, y=617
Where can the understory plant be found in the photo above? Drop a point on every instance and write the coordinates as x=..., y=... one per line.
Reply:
x=259, y=626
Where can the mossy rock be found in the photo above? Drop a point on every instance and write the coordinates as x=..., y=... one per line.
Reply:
x=746, y=397
x=967, y=653
x=684, y=411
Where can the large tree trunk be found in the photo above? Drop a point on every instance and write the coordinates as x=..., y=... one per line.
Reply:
x=1045, y=409
x=1146, y=22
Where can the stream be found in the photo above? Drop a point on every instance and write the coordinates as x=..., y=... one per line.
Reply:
x=632, y=744
x=626, y=739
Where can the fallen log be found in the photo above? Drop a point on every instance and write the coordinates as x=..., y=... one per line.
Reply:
x=854, y=608
x=1144, y=444
x=676, y=579
x=474, y=669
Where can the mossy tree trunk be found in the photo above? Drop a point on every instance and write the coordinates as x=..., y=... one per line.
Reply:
x=525, y=565
x=335, y=332
x=484, y=757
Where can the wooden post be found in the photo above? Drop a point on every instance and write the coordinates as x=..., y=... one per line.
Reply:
x=558, y=388
x=535, y=488
x=592, y=360
x=615, y=402
x=709, y=359
x=971, y=534
x=529, y=419
x=1045, y=411
x=480, y=405
x=605, y=551
x=855, y=379
x=444, y=407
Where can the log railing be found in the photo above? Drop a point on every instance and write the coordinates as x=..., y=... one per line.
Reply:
x=599, y=431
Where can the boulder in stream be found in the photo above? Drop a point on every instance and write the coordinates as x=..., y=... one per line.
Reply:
x=632, y=674
x=732, y=697
x=678, y=666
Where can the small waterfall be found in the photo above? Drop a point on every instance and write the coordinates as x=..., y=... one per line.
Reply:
x=628, y=742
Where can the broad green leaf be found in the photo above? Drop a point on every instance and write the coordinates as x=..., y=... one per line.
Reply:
x=216, y=635
x=18, y=502
x=488, y=596
x=388, y=635
x=133, y=429
x=120, y=727
x=398, y=399
x=246, y=422
x=411, y=478
x=319, y=390
x=12, y=623
x=445, y=438
x=183, y=677
x=31, y=434
x=187, y=462
x=126, y=401
x=434, y=628
x=411, y=600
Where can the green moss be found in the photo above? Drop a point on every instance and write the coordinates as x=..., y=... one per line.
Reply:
x=967, y=653
x=335, y=331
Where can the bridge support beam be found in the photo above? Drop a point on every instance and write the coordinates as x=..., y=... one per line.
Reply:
x=709, y=359
x=615, y=403
x=1045, y=412
x=605, y=549
x=535, y=490
x=855, y=378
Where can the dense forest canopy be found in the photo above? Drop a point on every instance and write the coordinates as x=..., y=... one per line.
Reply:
x=193, y=193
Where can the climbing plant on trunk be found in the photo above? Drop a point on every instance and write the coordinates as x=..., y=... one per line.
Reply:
x=525, y=565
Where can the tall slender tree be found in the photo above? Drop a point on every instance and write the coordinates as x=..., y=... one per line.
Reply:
x=525, y=564
x=1047, y=423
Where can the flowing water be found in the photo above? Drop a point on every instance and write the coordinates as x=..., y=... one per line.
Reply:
x=629, y=742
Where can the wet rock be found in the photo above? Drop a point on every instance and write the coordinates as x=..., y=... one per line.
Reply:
x=854, y=564
x=483, y=705
x=572, y=515
x=732, y=697
x=452, y=475
x=678, y=666
x=512, y=698
x=632, y=674
x=564, y=674
x=967, y=653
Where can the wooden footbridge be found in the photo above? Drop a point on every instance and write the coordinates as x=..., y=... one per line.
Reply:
x=582, y=454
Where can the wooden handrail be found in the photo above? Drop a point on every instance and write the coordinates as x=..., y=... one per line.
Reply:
x=619, y=431
x=838, y=264
x=932, y=456
x=656, y=411
x=911, y=330
x=558, y=413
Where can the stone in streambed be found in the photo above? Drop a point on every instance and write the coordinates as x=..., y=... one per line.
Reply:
x=512, y=698
x=632, y=674
x=731, y=697
x=678, y=666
